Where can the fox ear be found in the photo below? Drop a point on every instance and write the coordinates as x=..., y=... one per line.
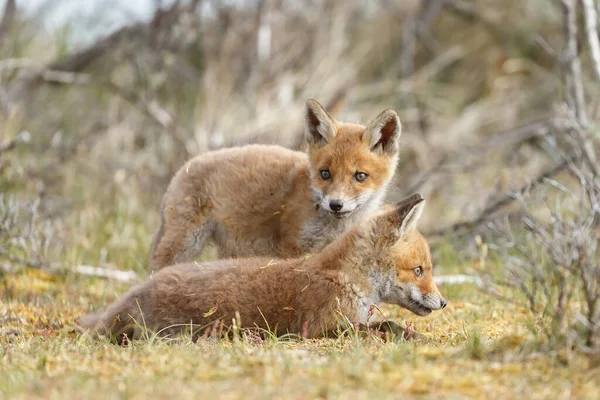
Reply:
x=383, y=133
x=319, y=126
x=410, y=211
x=402, y=218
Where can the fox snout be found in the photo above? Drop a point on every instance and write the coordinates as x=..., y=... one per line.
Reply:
x=339, y=204
x=433, y=301
x=336, y=205
x=423, y=303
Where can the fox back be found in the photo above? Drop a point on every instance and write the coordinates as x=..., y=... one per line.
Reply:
x=382, y=259
x=269, y=201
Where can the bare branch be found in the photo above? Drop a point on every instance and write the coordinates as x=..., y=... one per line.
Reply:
x=10, y=9
x=158, y=114
x=575, y=95
x=43, y=73
x=123, y=276
x=591, y=30
x=500, y=203
x=81, y=59
x=508, y=138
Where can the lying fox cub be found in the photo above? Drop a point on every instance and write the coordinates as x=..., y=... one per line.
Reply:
x=381, y=259
x=261, y=200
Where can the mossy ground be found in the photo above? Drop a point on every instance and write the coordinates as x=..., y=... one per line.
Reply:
x=476, y=350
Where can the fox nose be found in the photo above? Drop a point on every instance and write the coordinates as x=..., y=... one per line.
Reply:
x=336, y=205
x=444, y=303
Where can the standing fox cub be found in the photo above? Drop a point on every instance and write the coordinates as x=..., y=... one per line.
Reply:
x=381, y=259
x=261, y=200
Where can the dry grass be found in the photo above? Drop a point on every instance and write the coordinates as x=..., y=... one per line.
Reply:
x=104, y=146
x=476, y=350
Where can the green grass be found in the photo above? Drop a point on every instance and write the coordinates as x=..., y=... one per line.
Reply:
x=476, y=350
x=479, y=347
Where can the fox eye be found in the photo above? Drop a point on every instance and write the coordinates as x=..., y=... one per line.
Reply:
x=418, y=271
x=325, y=174
x=360, y=176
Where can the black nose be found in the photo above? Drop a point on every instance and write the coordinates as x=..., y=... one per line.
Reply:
x=444, y=303
x=336, y=205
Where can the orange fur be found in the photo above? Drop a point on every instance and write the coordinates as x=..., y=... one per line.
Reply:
x=373, y=262
x=261, y=200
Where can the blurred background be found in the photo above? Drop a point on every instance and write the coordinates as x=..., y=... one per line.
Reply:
x=102, y=101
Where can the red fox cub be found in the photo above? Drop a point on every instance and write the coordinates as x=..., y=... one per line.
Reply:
x=381, y=259
x=261, y=200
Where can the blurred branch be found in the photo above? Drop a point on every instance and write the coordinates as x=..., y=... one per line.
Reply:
x=80, y=60
x=414, y=29
x=464, y=10
x=501, y=32
x=10, y=9
x=505, y=200
x=424, y=75
x=508, y=138
x=43, y=73
x=591, y=27
x=574, y=86
x=122, y=276
x=158, y=114
x=576, y=123
x=575, y=96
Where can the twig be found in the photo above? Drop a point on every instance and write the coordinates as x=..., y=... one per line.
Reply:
x=123, y=276
x=575, y=95
x=591, y=29
x=497, y=141
x=502, y=33
x=43, y=73
x=155, y=111
x=456, y=279
x=10, y=10
x=413, y=29
x=500, y=203
x=81, y=59
x=467, y=12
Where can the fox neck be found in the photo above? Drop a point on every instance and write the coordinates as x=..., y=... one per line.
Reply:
x=324, y=227
x=352, y=256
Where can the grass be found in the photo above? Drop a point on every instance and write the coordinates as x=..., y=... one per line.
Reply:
x=102, y=166
x=476, y=350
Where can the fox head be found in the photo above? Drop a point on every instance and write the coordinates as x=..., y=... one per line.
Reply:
x=402, y=270
x=350, y=164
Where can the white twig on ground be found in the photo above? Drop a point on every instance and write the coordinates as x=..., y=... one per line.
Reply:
x=456, y=279
x=123, y=276
x=591, y=29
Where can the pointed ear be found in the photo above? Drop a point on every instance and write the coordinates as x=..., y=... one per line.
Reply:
x=319, y=126
x=411, y=212
x=402, y=218
x=383, y=133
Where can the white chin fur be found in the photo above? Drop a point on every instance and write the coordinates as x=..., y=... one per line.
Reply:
x=346, y=209
x=350, y=205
